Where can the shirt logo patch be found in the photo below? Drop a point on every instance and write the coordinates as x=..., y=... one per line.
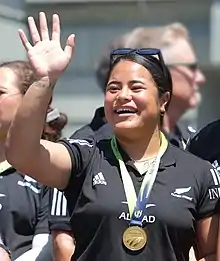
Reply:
x=59, y=204
x=80, y=142
x=178, y=193
x=99, y=179
x=29, y=185
x=215, y=165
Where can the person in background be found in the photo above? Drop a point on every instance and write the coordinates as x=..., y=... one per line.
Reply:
x=63, y=241
x=24, y=202
x=139, y=88
x=206, y=145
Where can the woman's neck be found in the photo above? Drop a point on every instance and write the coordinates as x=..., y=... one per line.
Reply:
x=142, y=148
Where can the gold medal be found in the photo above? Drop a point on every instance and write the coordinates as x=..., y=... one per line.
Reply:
x=134, y=238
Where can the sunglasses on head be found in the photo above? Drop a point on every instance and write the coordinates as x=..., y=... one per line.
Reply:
x=145, y=52
x=191, y=66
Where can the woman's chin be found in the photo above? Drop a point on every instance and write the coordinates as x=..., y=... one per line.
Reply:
x=125, y=126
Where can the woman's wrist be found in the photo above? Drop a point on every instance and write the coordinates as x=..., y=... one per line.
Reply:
x=6, y=249
x=45, y=82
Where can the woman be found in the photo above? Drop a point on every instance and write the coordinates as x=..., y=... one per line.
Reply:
x=101, y=180
x=24, y=203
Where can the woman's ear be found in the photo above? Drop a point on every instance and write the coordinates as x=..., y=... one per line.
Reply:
x=164, y=100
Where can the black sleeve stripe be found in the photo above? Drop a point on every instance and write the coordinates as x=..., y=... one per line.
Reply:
x=59, y=204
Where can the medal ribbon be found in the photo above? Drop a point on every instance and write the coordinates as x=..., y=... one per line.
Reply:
x=136, y=205
x=3, y=166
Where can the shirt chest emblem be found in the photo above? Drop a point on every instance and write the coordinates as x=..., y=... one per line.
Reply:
x=182, y=193
x=99, y=179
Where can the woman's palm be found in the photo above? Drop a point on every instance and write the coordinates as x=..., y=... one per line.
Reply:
x=46, y=56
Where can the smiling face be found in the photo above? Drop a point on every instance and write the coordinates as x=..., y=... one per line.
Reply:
x=132, y=100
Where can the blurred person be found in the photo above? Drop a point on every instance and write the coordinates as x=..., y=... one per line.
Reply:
x=206, y=145
x=139, y=88
x=24, y=202
x=59, y=223
x=179, y=55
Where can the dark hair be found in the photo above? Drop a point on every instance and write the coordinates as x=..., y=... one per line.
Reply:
x=102, y=71
x=25, y=77
x=102, y=66
x=160, y=74
x=53, y=129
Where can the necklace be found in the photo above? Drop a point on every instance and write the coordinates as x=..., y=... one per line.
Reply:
x=144, y=164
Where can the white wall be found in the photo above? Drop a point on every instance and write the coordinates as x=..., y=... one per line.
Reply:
x=10, y=21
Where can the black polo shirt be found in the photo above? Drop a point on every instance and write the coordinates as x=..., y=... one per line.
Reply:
x=59, y=213
x=99, y=129
x=24, y=207
x=100, y=212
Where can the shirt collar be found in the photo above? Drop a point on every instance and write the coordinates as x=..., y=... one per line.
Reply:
x=4, y=166
x=168, y=159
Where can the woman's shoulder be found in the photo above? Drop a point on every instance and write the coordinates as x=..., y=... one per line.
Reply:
x=186, y=157
x=196, y=170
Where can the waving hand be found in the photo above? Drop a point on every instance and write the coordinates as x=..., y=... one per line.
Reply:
x=46, y=55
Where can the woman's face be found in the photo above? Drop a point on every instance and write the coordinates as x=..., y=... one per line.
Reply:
x=10, y=99
x=132, y=101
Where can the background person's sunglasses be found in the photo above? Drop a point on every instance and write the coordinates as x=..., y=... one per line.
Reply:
x=143, y=52
x=191, y=66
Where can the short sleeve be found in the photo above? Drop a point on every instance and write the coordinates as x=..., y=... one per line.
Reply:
x=81, y=152
x=85, y=132
x=59, y=218
x=42, y=226
x=209, y=198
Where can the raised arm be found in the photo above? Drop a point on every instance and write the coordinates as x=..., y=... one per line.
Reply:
x=47, y=162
